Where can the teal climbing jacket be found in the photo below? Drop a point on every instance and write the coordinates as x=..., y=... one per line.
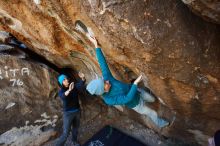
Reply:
x=120, y=93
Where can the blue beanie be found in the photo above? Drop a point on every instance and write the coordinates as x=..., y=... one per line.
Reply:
x=61, y=78
x=96, y=87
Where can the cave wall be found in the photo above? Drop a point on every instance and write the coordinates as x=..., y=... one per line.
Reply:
x=207, y=9
x=28, y=97
x=177, y=51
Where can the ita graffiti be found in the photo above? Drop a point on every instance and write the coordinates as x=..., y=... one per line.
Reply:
x=13, y=74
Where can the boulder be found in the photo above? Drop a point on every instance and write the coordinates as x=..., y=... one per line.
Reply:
x=177, y=52
x=28, y=89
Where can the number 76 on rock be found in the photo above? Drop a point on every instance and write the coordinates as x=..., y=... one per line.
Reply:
x=17, y=82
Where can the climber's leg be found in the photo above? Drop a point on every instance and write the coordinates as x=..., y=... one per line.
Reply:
x=144, y=110
x=75, y=126
x=146, y=96
x=67, y=121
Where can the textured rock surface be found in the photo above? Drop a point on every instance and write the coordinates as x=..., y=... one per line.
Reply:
x=208, y=9
x=28, y=89
x=26, y=136
x=177, y=51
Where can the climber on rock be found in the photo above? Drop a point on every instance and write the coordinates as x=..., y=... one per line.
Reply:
x=71, y=108
x=115, y=92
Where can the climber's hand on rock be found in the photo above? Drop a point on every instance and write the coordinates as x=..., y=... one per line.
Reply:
x=94, y=41
x=138, y=80
x=81, y=75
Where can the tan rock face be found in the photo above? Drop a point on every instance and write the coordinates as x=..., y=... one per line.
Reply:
x=177, y=51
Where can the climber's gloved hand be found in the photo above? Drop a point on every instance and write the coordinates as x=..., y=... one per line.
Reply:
x=138, y=80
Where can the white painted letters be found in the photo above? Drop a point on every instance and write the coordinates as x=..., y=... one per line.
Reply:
x=25, y=70
x=12, y=74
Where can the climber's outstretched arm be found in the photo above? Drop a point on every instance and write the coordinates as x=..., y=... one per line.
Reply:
x=106, y=73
